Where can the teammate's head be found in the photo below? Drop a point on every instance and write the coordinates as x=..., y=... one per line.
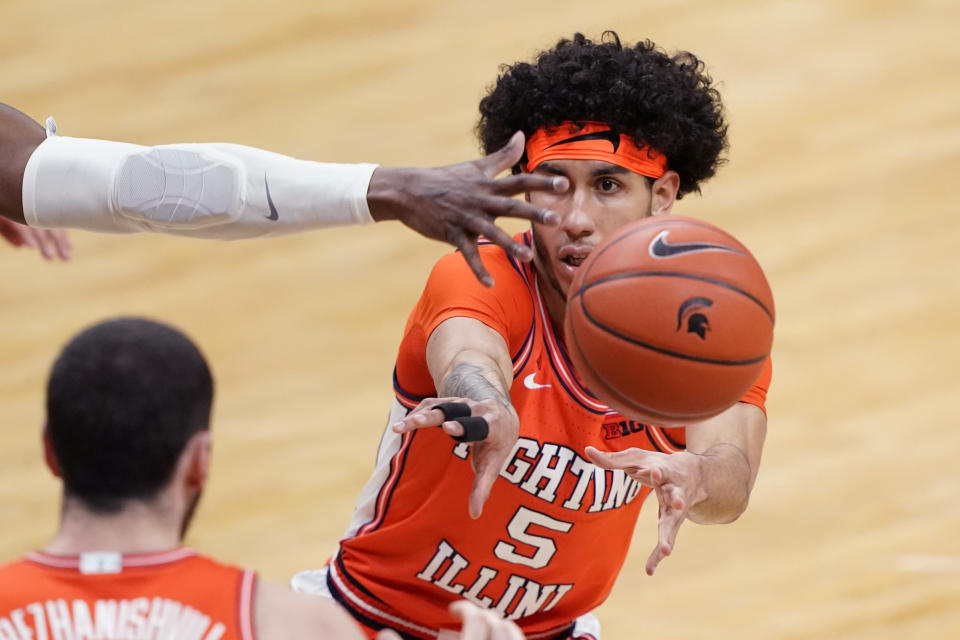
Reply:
x=124, y=399
x=632, y=128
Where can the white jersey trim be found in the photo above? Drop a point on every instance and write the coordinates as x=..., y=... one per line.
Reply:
x=661, y=439
x=345, y=590
x=129, y=560
x=247, y=584
x=371, y=504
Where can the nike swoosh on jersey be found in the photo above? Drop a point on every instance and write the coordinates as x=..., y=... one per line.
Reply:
x=529, y=382
x=274, y=216
x=660, y=248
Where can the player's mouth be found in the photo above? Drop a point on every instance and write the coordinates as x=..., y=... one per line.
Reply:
x=571, y=257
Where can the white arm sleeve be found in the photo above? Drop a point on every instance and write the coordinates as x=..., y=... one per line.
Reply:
x=212, y=190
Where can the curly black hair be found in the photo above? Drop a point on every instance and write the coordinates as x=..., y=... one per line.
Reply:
x=669, y=102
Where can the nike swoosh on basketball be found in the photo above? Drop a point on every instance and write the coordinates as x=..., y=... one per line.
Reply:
x=273, y=209
x=660, y=248
x=529, y=382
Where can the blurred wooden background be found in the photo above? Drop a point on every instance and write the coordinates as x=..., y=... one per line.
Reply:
x=845, y=131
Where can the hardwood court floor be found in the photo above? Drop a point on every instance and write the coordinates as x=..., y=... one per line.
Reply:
x=845, y=131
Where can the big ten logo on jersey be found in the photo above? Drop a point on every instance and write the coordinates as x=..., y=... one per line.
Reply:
x=621, y=428
x=557, y=475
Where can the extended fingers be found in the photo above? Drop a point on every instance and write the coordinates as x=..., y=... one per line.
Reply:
x=643, y=466
x=453, y=415
x=626, y=459
x=423, y=415
x=61, y=241
x=483, y=624
x=507, y=207
x=46, y=243
x=672, y=496
x=474, y=625
x=13, y=234
x=668, y=528
x=481, y=225
x=510, y=630
x=660, y=551
x=653, y=560
x=526, y=182
x=504, y=157
x=453, y=429
x=483, y=480
x=468, y=247
x=672, y=515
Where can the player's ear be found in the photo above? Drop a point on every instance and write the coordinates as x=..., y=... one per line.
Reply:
x=663, y=193
x=198, y=452
x=49, y=456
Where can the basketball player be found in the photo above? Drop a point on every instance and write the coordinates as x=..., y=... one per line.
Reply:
x=554, y=489
x=229, y=191
x=128, y=410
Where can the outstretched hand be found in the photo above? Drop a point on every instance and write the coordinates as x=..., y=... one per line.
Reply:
x=489, y=455
x=458, y=203
x=50, y=242
x=676, y=478
x=478, y=624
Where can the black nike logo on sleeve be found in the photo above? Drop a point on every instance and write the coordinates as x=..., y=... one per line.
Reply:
x=274, y=216
x=609, y=136
x=660, y=248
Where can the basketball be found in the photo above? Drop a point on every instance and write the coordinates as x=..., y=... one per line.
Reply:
x=669, y=320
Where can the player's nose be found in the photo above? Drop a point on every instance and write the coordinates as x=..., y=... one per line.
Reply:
x=577, y=221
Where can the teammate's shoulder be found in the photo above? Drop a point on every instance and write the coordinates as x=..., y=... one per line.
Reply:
x=488, y=251
x=282, y=613
x=13, y=571
x=203, y=560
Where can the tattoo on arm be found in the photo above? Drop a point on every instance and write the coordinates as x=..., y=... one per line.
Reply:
x=468, y=380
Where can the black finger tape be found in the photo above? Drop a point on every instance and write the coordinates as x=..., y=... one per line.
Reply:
x=454, y=410
x=474, y=429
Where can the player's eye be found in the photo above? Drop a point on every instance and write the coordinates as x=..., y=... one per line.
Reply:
x=607, y=185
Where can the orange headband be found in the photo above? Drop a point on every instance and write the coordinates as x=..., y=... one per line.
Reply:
x=593, y=141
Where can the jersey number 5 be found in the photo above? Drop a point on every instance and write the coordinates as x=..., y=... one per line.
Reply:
x=517, y=528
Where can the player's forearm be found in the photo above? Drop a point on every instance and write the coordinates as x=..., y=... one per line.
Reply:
x=476, y=376
x=726, y=479
x=211, y=190
x=388, y=195
x=468, y=359
x=19, y=136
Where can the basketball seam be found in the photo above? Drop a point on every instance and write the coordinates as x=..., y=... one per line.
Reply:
x=675, y=274
x=629, y=401
x=667, y=352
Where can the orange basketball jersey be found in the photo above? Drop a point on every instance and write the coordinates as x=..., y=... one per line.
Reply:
x=555, y=530
x=173, y=595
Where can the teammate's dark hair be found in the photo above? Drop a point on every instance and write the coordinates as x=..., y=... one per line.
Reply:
x=666, y=101
x=124, y=398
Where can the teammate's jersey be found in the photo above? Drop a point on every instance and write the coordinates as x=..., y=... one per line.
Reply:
x=556, y=529
x=172, y=595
